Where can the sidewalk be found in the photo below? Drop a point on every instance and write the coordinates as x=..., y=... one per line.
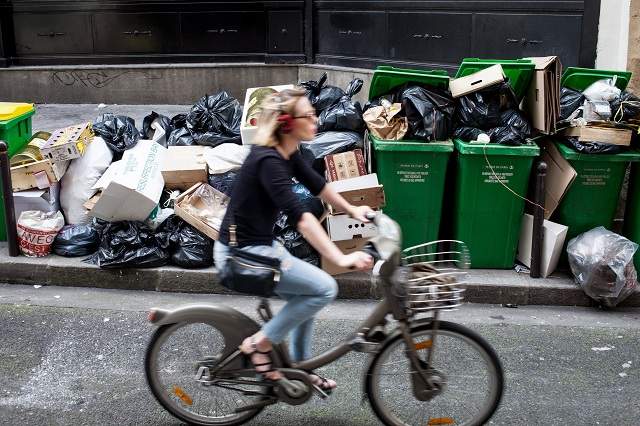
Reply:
x=483, y=286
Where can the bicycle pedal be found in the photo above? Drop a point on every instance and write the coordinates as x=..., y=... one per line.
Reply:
x=321, y=393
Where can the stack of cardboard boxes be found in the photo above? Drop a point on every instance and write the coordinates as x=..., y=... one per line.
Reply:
x=37, y=170
x=346, y=174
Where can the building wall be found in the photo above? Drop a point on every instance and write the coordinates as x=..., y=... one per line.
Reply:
x=613, y=34
x=633, y=57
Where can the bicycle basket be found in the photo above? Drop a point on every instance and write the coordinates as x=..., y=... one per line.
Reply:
x=435, y=271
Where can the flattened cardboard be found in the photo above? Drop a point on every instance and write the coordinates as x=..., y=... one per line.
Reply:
x=610, y=135
x=45, y=200
x=342, y=227
x=184, y=166
x=359, y=191
x=560, y=175
x=553, y=241
x=346, y=247
x=345, y=165
x=476, y=81
x=39, y=174
x=542, y=101
x=194, y=221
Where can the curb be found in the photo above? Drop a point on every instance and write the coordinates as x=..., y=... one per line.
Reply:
x=483, y=286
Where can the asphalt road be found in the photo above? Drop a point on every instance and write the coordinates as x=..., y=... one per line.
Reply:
x=74, y=356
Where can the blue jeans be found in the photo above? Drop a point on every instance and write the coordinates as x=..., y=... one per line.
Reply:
x=306, y=288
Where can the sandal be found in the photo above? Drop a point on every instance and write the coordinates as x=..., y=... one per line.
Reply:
x=268, y=365
x=322, y=383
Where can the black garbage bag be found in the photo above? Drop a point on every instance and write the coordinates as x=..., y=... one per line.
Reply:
x=321, y=96
x=181, y=137
x=482, y=109
x=294, y=242
x=506, y=135
x=429, y=113
x=163, y=121
x=215, y=119
x=193, y=249
x=344, y=114
x=313, y=204
x=118, y=131
x=223, y=182
x=76, y=240
x=130, y=244
x=570, y=100
x=329, y=143
x=592, y=147
x=179, y=121
x=468, y=134
x=518, y=130
x=630, y=110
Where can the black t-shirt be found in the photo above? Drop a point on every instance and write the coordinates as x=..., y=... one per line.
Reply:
x=262, y=189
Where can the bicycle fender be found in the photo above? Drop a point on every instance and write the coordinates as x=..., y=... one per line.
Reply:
x=234, y=325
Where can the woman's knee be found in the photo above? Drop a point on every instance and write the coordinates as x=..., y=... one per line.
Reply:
x=329, y=287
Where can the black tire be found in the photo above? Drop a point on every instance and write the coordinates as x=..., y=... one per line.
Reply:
x=495, y=373
x=160, y=393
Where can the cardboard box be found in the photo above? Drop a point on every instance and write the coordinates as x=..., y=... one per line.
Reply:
x=560, y=175
x=342, y=227
x=554, y=236
x=347, y=247
x=359, y=191
x=600, y=134
x=68, y=143
x=476, y=81
x=131, y=187
x=202, y=207
x=184, y=166
x=251, y=110
x=45, y=200
x=39, y=174
x=345, y=165
x=542, y=101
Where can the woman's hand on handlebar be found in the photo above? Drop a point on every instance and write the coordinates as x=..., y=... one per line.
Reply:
x=361, y=213
x=358, y=260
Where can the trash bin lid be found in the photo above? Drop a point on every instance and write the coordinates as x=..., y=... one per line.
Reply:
x=571, y=154
x=386, y=78
x=411, y=146
x=519, y=71
x=581, y=78
x=526, y=150
x=10, y=110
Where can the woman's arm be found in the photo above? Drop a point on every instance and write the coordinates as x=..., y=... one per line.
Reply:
x=315, y=234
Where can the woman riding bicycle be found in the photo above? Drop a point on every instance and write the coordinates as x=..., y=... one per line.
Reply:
x=262, y=189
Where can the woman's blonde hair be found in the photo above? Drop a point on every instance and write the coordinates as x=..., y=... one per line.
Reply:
x=272, y=107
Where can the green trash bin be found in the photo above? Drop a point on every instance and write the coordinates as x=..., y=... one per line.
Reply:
x=412, y=172
x=486, y=215
x=592, y=198
x=632, y=213
x=491, y=181
x=15, y=130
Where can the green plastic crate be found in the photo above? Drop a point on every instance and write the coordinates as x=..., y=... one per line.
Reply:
x=519, y=71
x=592, y=198
x=486, y=215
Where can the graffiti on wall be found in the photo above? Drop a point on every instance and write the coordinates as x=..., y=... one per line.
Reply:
x=97, y=79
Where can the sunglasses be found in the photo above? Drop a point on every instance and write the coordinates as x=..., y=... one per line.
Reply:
x=307, y=115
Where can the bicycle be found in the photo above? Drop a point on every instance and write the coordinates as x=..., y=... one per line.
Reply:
x=407, y=382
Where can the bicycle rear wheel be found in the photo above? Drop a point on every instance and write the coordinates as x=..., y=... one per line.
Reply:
x=172, y=365
x=472, y=379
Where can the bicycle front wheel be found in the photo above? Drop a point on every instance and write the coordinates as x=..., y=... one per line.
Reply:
x=468, y=371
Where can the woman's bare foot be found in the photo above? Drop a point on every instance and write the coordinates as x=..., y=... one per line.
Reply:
x=258, y=347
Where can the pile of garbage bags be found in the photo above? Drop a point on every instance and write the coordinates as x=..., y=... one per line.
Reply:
x=427, y=111
x=492, y=111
